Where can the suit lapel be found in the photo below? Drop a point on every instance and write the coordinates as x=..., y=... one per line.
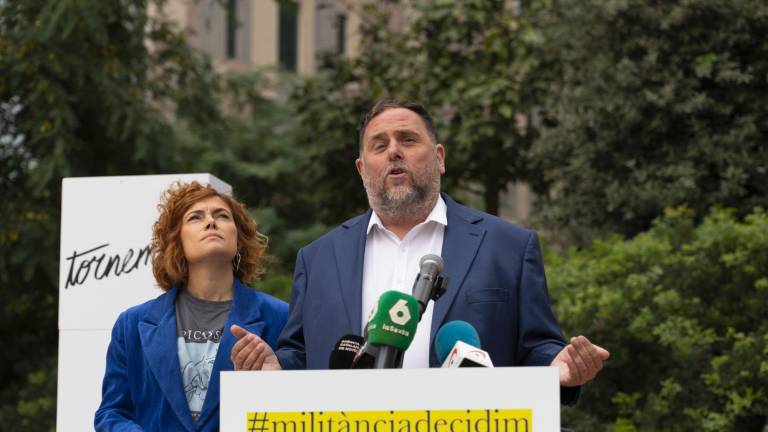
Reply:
x=247, y=314
x=158, y=340
x=349, y=250
x=461, y=241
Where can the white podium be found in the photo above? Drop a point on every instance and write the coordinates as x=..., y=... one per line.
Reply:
x=520, y=399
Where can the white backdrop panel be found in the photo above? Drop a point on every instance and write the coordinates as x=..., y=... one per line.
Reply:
x=104, y=268
x=82, y=357
x=106, y=228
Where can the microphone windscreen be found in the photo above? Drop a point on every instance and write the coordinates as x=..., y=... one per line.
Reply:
x=450, y=333
x=366, y=357
x=394, y=320
x=435, y=260
x=344, y=352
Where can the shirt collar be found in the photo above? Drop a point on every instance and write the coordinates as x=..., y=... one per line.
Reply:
x=439, y=214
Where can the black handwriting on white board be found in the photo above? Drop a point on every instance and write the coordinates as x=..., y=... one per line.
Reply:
x=97, y=264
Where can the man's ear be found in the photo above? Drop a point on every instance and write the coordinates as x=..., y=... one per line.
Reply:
x=359, y=166
x=440, y=152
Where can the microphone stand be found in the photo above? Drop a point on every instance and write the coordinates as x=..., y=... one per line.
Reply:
x=388, y=358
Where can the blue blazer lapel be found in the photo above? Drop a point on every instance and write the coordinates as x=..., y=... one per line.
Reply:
x=461, y=242
x=158, y=340
x=349, y=250
x=246, y=312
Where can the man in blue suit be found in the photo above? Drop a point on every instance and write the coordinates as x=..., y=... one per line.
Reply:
x=495, y=271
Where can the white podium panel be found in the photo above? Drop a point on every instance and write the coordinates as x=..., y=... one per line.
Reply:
x=522, y=399
x=104, y=268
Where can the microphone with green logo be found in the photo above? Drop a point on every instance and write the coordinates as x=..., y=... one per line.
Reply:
x=391, y=327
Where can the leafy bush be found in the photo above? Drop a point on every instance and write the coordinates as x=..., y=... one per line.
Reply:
x=682, y=308
x=650, y=105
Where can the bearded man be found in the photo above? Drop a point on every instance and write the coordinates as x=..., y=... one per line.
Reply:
x=495, y=272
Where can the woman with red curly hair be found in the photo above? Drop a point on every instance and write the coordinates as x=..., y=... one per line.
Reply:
x=165, y=355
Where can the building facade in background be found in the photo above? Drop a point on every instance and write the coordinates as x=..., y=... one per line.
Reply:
x=241, y=34
x=244, y=34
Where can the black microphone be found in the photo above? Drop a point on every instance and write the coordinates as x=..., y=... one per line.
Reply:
x=365, y=357
x=430, y=284
x=344, y=352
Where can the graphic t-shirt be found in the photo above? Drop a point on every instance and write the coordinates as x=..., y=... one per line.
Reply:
x=199, y=325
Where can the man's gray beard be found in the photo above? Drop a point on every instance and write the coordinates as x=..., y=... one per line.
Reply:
x=403, y=203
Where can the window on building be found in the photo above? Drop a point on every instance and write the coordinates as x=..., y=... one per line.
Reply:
x=288, y=32
x=231, y=26
x=341, y=33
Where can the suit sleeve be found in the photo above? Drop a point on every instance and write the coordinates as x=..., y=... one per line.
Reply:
x=290, y=345
x=540, y=336
x=116, y=412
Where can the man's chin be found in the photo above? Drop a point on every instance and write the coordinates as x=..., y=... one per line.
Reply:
x=398, y=183
x=400, y=194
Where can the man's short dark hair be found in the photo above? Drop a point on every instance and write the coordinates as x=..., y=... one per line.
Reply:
x=387, y=104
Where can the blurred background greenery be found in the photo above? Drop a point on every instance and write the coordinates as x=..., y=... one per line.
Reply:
x=640, y=126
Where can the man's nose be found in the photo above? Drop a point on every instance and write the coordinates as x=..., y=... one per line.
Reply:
x=394, y=150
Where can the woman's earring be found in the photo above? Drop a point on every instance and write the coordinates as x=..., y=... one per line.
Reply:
x=238, y=257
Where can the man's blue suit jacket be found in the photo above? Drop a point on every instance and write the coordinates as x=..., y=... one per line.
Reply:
x=496, y=283
x=142, y=388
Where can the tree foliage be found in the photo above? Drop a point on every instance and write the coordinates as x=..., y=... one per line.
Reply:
x=463, y=60
x=328, y=108
x=645, y=104
x=253, y=148
x=87, y=88
x=650, y=105
x=471, y=58
x=682, y=310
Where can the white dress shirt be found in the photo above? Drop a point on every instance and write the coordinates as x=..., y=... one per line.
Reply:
x=392, y=264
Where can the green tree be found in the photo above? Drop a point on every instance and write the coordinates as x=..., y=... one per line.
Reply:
x=328, y=109
x=682, y=310
x=470, y=59
x=259, y=151
x=649, y=105
x=87, y=88
x=464, y=60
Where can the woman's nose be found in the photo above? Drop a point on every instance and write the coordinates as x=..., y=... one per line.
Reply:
x=210, y=222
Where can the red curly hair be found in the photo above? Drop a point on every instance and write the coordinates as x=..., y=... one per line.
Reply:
x=168, y=261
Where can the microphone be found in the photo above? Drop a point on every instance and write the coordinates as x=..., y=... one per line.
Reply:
x=456, y=345
x=344, y=352
x=392, y=327
x=429, y=283
x=365, y=357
